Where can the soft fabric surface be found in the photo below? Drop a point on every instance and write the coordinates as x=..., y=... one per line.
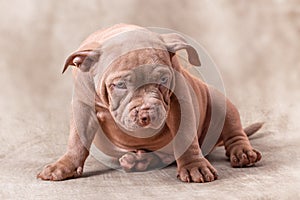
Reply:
x=255, y=44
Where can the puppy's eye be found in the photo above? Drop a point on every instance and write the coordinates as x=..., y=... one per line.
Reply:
x=164, y=80
x=121, y=85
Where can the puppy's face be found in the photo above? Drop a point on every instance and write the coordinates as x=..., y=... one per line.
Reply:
x=138, y=89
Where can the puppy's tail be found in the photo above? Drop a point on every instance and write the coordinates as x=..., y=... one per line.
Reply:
x=249, y=130
x=253, y=128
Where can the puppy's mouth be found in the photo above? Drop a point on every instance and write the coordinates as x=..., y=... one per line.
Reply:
x=141, y=118
x=147, y=117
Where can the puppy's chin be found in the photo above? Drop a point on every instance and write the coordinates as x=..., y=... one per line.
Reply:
x=142, y=132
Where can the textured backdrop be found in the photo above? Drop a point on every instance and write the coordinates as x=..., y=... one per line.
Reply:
x=255, y=45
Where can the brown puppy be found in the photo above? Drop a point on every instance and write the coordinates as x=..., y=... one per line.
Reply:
x=150, y=110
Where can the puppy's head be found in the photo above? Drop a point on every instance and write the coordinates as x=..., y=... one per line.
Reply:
x=137, y=86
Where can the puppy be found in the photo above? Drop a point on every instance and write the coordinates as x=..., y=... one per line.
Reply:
x=137, y=104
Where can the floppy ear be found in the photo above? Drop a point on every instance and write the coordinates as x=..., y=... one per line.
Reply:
x=175, y=42
x=82, y=59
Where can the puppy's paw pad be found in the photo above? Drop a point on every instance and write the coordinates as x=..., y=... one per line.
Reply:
x=128, y=161
x=244, y=156
x=138, y=161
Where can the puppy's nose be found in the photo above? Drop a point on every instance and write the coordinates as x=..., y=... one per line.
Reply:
x=144, y=119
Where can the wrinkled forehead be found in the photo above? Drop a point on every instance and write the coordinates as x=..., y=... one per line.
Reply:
x=148, y=56
x=130, y=49
x=126, y=45
x=140, y=63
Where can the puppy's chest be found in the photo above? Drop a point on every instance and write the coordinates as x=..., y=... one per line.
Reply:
x=129, y=142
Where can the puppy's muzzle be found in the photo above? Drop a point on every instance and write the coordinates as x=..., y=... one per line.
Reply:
x=143, y=118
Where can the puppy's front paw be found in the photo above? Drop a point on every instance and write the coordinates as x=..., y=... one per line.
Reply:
x=241, y=156
x=199, y=171
x=139, y=161
x=60, y=170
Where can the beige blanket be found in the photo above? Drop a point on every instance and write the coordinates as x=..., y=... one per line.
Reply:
x=255, y=44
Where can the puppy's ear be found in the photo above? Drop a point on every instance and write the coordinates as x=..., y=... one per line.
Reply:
x=175, y=42
x=104, y=94
x=82, y=59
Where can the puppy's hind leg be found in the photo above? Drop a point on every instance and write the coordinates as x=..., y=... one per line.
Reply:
x=236, y=142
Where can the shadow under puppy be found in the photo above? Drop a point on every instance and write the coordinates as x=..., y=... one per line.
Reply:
x=151, y=111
